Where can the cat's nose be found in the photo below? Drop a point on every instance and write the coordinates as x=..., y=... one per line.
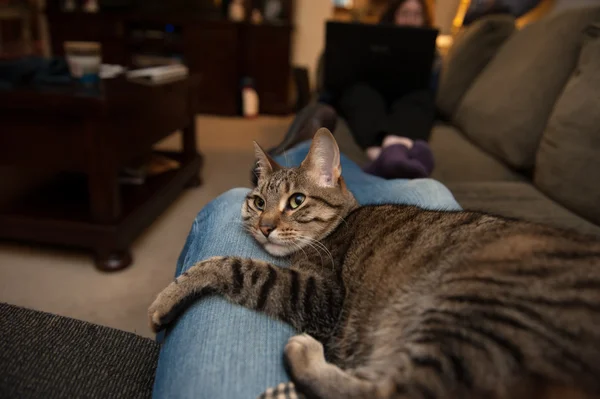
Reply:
x=267, y=229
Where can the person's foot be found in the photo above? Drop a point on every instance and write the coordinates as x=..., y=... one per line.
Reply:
x=373, y=153
x=305, y=125
x=393, y=140
x=398, y=162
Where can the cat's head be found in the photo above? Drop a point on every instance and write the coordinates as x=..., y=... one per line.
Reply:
x=292, y=207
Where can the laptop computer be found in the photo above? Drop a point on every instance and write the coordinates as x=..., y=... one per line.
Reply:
x=393, y=59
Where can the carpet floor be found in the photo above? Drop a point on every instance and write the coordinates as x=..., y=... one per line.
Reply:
x=66, y=283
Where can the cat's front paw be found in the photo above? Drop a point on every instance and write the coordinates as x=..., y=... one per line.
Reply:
x=304, y=356
x=188, y=286
x=158, y=312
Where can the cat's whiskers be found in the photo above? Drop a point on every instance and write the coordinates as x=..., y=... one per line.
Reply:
x=317, y=245
x=342, y=219
x=299, y=247
x=315, y=248
x=320, y=244
x=317, y=242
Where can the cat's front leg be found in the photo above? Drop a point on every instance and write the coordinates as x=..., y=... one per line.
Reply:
x=297, y=297
x=200, y=280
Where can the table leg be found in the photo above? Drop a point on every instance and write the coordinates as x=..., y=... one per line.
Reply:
x=194, y=182
x=105, y=199
x=190, y=150
x=110, y=261
x=188, y=137
x=105, y=203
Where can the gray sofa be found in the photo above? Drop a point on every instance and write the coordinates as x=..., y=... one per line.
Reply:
x=521, y=138
x=520, y=134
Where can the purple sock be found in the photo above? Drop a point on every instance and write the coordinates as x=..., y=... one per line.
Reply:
x=422, y=152
x=398, y=162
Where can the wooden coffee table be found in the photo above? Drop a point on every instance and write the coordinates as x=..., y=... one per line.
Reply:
x=86, y=137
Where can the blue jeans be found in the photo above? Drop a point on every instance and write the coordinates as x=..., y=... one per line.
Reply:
x=217, y=350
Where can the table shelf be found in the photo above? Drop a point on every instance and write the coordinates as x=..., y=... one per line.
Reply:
x=58, y=212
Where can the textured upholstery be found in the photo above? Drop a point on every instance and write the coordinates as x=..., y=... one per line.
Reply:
x=519, y=200
x=506, y=110
x=458, y=159
x=472, y=50
x=568, y=160
x=48, y=356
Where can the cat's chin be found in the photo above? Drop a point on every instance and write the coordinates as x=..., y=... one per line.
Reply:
x=278, y=250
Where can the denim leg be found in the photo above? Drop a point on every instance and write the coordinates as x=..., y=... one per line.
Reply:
x=374, y=190
x=217, y=349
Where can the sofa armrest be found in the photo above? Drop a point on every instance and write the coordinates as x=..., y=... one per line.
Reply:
x=48, y=356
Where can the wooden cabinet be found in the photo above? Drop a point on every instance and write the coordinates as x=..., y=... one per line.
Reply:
x=260, y=46
x=211, y=50
x=222, y=53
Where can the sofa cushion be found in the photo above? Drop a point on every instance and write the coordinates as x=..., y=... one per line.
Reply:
x=568, y=160
x=472, y=50
x=518, y=200
x=478, y=9
x=458, y=159
x=48, y=356
x=506, y=109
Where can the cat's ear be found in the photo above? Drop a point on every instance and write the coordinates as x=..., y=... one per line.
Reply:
x=323, y=160
x=265, y=164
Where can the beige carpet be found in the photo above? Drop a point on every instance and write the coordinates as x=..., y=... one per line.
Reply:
x=66, y=282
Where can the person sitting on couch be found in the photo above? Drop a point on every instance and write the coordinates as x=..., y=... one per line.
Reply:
x=391, y=129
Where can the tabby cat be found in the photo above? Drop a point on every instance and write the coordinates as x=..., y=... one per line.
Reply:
x=399, y=302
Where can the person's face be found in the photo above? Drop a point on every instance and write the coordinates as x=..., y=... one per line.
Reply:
x=410, y=13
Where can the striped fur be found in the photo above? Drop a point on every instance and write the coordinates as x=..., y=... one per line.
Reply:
x=410, y=303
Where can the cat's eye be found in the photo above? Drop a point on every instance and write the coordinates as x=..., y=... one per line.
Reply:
x=296, y=200
x=259, y=203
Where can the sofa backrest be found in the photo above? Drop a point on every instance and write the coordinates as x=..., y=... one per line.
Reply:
x=568, y=160
x=472, y=50
x=506, y=109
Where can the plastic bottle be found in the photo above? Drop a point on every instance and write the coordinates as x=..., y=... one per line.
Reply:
x=250, y=101
x=237, y=12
